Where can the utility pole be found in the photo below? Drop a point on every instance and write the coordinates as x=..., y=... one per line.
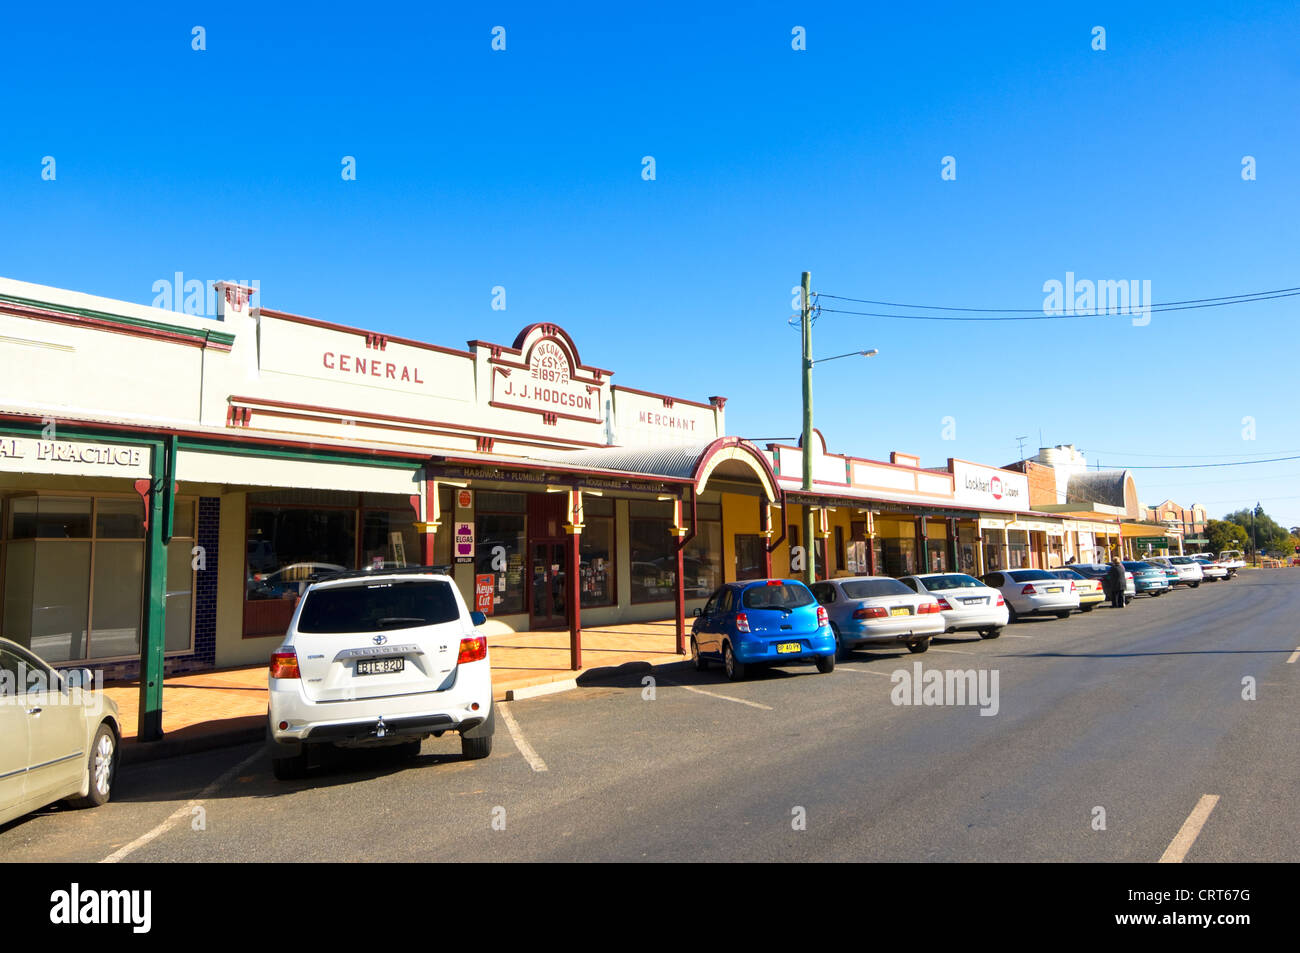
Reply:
x=810, y=549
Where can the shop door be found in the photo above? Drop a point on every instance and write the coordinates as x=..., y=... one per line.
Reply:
x=547, y=610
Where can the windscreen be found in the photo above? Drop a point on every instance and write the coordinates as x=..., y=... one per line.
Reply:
x=868, y=588
x=785, y=596
x=378, y=607
x=954, y=580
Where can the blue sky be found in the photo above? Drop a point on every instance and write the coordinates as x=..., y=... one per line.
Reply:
x=522, y=169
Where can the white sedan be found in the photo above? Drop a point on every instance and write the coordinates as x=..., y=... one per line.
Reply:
x=965, y=603
x=1034, y=592
x=58, y=740
x=1211, y=569
x=1189, y=570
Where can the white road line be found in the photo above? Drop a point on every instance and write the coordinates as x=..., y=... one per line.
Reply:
x=864, y=671
x=1294, y=655
x=1187, y=835
x=949, y=651
x=725, y=698
x=1008, y=635
x=525, y=749
x=181, y=812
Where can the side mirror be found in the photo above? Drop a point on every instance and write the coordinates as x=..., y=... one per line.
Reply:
x=478, y=618
x=698, y=612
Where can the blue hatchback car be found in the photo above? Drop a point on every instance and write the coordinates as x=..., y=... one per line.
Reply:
x=762, y=622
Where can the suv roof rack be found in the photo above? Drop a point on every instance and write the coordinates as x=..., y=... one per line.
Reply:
x=443, y=570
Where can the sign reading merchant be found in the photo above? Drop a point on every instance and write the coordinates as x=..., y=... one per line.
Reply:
x=548, y=381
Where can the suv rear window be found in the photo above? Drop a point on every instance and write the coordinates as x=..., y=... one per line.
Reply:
x=378, y=607
x=785, y=596
x=868, y=588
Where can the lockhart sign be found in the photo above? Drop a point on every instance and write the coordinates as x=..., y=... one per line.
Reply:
x=989, y=487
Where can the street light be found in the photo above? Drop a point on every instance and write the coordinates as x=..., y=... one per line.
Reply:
x=810, y=551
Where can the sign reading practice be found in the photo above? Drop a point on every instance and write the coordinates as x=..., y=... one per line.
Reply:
x=21, y=454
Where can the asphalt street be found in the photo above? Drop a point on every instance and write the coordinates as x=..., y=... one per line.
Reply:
x=1111, y=728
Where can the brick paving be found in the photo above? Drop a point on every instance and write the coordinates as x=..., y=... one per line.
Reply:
x=199, y=706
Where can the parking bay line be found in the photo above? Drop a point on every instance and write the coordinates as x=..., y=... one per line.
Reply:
x=725, y=698
x=525, y=749
x=864, y=671
x=1294, y=655
x=1191, y=828
x=181, y=812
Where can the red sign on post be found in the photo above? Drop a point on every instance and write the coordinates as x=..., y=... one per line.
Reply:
x=483, y=588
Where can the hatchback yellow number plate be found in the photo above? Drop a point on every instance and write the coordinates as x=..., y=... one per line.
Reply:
x=786, y=647
x=901, y=610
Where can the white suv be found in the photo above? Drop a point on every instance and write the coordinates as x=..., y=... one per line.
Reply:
x=379, y=658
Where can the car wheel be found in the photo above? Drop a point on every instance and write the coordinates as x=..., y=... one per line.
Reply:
x=291, y=768
x=1063, y=615
x=1195, y=584
x=916, y=648
x=408, y=750
x=101, y=767
x=735, y=670
x=1087, y=608
x=826, y=664
x=991, y=633
x=1127, y=600
x=842, y=652
x=700, y=662
x=1157, y=592
x=1012, y=615
x=472, y=749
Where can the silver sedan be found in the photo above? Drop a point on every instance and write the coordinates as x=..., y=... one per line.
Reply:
x=878, y=610
x=59, y=738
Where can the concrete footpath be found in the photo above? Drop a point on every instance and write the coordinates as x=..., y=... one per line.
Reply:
x=228, y=707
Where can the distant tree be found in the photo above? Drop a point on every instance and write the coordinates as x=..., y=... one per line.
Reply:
x=1223, y=534
x=1261, y=529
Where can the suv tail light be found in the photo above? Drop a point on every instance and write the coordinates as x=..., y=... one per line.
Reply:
x=472, y=650
x=742, y=622
x=1029, y=589
x=927, y=608
x=822, y=618
x=285, y=665
x=870, y=612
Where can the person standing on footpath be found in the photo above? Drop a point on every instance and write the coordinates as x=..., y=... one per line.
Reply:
x=1116, y=580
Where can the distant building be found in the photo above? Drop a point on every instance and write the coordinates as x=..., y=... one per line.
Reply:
x=1189, y=521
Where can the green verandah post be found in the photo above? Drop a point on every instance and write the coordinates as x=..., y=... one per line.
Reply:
x=159, y=493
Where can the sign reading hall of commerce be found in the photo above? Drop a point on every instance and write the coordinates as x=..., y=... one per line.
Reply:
x=546, y=382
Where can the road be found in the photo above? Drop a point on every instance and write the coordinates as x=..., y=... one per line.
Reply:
x=1138, y=713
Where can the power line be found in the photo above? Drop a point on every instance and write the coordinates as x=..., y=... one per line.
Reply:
x=1200, y=466
x=1175, y=456
x=1153, y=309
x=1229, y=299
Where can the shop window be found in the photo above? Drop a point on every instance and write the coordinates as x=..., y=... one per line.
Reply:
x=289, y=545
x=500, y=541
x=74, y=577
x=388, y=539
x=596, y=553
x=652, y=552
x=749, y=556
x=702, y=560
x=840, y=561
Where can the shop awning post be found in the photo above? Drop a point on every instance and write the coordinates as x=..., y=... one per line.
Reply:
x=159, y=500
